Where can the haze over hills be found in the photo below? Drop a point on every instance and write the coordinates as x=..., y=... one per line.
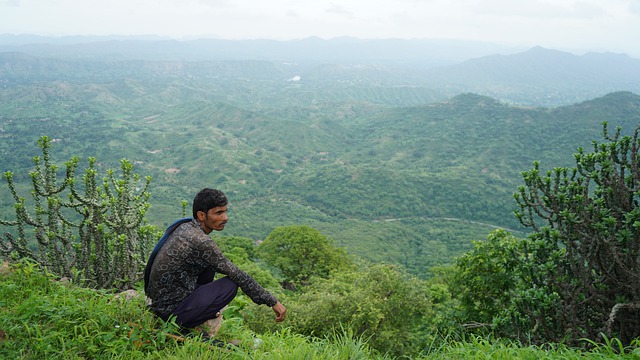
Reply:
x=425, y=52
x=542, y=76
x=397, y=162
x=389, y=72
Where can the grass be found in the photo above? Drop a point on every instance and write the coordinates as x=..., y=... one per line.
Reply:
x=477, y=348
x=43, y=318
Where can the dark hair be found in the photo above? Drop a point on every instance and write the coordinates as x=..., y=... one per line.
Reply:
x=208, y=199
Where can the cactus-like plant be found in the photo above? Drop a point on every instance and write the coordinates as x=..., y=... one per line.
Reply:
x=91, y=230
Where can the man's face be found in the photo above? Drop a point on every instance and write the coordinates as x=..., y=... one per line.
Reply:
x=214, y=219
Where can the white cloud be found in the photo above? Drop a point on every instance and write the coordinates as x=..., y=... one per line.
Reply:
x=338, y=9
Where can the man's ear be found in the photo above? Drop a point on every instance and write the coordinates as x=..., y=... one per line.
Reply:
x=201, y=215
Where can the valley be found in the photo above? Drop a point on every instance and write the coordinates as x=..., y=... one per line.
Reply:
x=401, y=170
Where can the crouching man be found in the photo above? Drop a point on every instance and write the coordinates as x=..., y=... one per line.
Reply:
x=179, y=276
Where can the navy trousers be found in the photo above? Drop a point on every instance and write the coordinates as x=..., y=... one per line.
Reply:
x=205, y=301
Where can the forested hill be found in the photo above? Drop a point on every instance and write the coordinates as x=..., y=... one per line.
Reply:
x=543, y=76
x=410, y=185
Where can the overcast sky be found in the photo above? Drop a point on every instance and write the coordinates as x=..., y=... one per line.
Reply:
x=570, y=25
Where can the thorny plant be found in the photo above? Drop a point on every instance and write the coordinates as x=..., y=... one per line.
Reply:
x=90, y=230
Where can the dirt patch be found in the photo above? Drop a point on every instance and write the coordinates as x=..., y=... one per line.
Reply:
x=127, y=295
x=172, y=170
x=4, y=267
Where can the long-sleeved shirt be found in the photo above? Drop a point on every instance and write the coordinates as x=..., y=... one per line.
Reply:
x=186, y=254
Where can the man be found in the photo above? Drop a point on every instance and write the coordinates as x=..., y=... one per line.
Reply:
x=179, y=274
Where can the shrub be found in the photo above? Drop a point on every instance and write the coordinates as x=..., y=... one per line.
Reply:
x=92, y=231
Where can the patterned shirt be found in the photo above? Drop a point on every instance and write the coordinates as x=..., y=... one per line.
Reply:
x=186, y=254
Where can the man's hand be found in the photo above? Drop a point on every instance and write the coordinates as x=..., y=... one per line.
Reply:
x=280, y=310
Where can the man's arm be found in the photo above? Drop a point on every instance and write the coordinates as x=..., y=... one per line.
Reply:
x=212, y=256
x=280, y=311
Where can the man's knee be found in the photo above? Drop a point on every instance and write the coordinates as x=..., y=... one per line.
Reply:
x=227, y=286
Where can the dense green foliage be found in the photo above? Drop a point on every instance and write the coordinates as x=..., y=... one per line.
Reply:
x=576, y=276
x=300, y=252
x=488, y=278
x=393, y=311
x=92, y=232
x=43, y=318
x=419, y=178
x=585, y=220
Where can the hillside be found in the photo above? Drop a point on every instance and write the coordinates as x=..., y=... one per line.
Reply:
x=410, y=185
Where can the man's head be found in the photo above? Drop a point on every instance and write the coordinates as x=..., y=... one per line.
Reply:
x=210, y=209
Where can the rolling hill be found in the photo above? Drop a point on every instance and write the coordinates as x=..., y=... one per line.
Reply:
x=391, y=181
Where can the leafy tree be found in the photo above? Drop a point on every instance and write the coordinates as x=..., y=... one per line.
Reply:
x=486, y=277
x=584, y=251
x=228, y=243
x=96, y=235
x=300, y=252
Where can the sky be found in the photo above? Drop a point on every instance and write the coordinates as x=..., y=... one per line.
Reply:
x=569, y=25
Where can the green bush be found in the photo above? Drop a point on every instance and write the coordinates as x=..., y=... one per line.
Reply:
x=485, y=278
x=380, y=303
x=226, y=243
x=300, y=252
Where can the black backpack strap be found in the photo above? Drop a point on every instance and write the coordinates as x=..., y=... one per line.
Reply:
x=152, y=257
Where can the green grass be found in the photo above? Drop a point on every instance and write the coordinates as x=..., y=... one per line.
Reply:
x=480, y=348
x=43, y=318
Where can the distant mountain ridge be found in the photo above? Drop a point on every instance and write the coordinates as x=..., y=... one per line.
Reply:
x=313, y=50
x=536, y=77
x=541, y=72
